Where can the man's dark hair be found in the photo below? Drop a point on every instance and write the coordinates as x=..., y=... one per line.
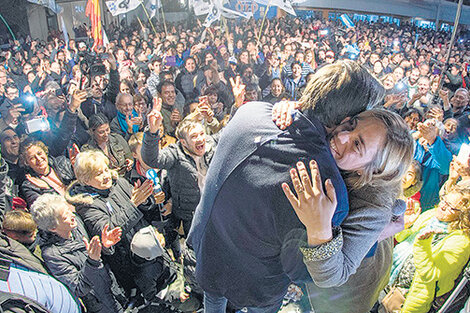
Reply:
x=413, y=111
x=165, y=83
x=333, y=85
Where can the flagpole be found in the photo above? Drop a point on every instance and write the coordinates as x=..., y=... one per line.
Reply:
x=140, y=22
x=262, y=22
x=148, y=16
x=164, y=22
x=8, y=26
x=226, y=30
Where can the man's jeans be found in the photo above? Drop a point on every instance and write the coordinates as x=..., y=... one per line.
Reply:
x=218, y=304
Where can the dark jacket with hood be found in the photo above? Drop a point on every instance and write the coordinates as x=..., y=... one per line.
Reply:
x=113, y=206
x=186, y=83
x=68, y=261
x=181, y=169
x=63, y=169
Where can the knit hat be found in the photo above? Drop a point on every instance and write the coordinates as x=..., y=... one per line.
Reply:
x=145, y=244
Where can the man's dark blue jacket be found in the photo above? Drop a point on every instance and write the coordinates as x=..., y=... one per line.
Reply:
x=245, y=233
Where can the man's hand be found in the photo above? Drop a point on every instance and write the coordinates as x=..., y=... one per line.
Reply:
x=175, y=117
x=238, y=89
x=205, y=109
x=13, y=114
x=93, y=248
x=155, y=118
x=282, y=113
x=110, y=237
x=78, y=97
x=131, y=121
x=436, y=113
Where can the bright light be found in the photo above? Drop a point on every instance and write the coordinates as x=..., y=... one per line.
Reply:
x=30, y=98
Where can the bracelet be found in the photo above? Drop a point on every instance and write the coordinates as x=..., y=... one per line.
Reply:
x=326, y=250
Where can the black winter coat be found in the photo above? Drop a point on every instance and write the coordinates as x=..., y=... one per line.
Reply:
x=113, y=206
x=63, y=169
x=182, y=172
x=67, y=260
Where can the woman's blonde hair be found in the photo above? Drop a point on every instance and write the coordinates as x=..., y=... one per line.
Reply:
x=88, y=163
x=463, y=219
x=336, y=91
x=393, y=158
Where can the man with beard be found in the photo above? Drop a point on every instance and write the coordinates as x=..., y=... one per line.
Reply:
x=422, y=97
x=412, y=82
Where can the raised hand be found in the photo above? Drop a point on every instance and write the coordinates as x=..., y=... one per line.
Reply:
x=13, y=114
x=437, y=113
x=73, y=152
x=413, y=210
x=313, y=207
x=93, y=248
x=110, y=237
x=78, y=97
x=428, y=131
x=282, y=113
x=155, y=118
x=238, y=89
x=141, y=192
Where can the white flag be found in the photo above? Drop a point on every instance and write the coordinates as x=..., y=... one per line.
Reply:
x=214, y=15
x=122, y=6
x=286, y=5
x=201, y=7
x=153, y=6
x=64, y=30
x=105, y=38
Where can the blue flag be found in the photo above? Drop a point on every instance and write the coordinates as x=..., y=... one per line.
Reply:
x=346, y=21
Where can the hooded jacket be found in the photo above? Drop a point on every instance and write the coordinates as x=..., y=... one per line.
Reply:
x=68, y=261
x=113, y=207
x=181, y=169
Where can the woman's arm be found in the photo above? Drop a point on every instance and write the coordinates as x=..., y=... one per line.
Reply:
x=78, y=280
x=433, y=265
x=332, y=255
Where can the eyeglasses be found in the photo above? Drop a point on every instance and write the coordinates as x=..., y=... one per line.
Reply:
x=448, y=205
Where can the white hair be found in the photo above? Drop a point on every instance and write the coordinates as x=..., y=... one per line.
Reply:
x=46, y=210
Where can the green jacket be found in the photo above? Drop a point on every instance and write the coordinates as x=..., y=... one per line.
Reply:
x=441, y=263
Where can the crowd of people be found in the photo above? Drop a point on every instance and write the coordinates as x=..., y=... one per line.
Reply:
x=106, y=152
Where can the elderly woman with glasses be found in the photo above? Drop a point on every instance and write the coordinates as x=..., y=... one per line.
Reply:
x=432, y=252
